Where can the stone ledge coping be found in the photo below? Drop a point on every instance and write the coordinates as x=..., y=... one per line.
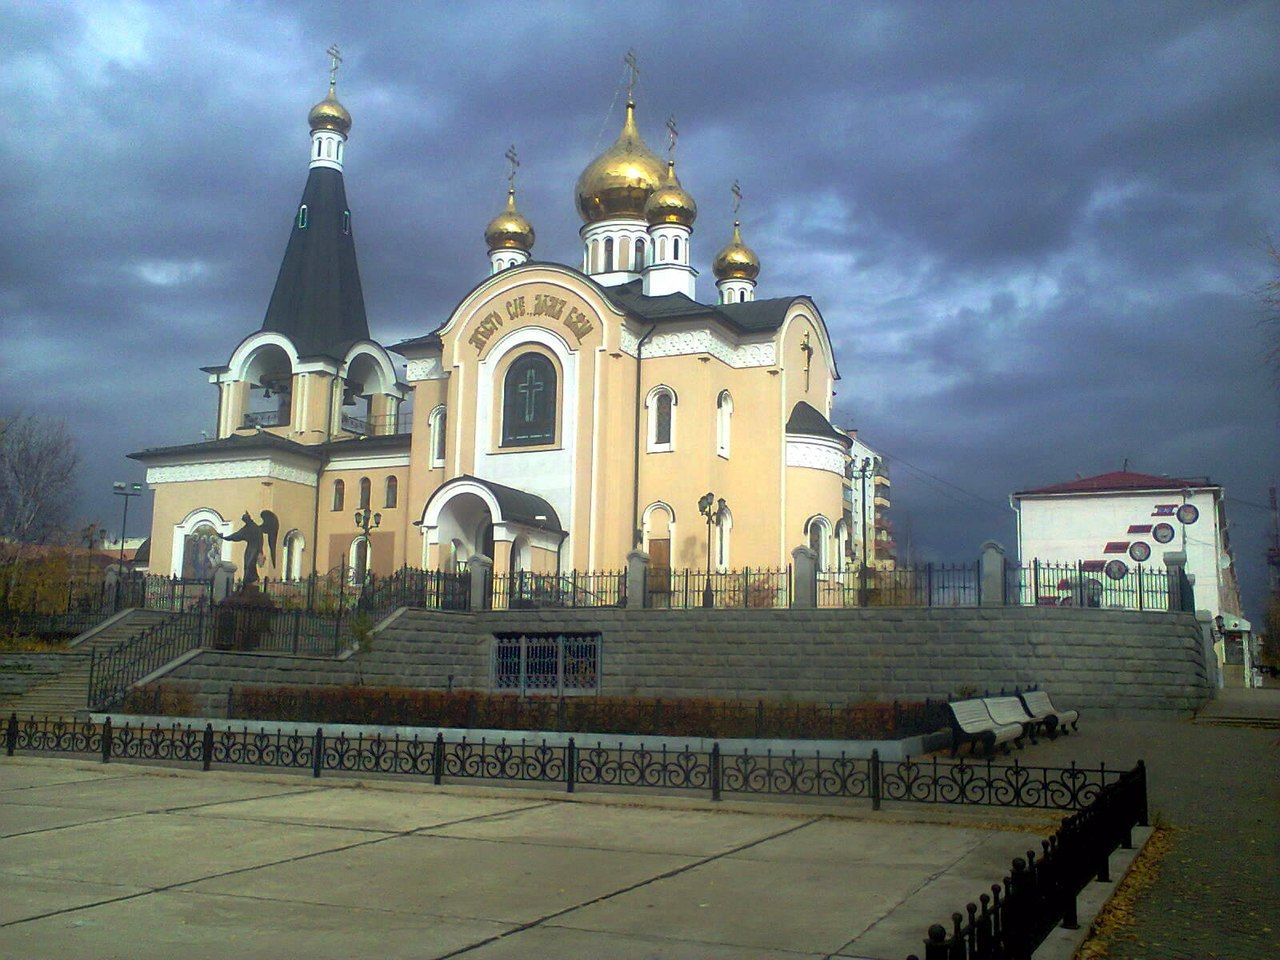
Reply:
x=860, y=749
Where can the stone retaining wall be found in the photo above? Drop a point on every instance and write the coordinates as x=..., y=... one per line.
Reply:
x=1091, y=659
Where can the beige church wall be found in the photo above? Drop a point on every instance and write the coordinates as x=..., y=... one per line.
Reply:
x=382, y=547
x=340, y=524
x=613, y=469
x=792, y=359
x=424, y=479
x=293, y=504
x=235, y=399
x=811, y=492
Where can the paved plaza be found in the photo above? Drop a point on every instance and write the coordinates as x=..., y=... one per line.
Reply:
x=128, y=861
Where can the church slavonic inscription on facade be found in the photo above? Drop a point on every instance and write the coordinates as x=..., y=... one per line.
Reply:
x=544, y=305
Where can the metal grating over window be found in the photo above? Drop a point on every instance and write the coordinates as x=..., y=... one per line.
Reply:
x=546, y=663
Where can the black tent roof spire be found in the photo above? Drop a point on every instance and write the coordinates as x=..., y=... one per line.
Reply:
x=317, y=302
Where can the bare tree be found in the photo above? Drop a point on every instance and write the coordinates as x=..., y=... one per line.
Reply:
x=38, y=462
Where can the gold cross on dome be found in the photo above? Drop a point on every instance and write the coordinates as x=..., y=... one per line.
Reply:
x=513, y=161
x=737, y=196
x=672, y=136
x=634, y=67
x=335, y=58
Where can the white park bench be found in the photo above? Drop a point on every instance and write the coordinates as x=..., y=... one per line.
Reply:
x=1010, y=710
x=970, y=720
x=1042, y=710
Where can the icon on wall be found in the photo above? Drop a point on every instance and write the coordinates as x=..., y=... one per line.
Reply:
x=1163, y=532
x=1188, y=513
x=1140, y=552
x=1116, y=569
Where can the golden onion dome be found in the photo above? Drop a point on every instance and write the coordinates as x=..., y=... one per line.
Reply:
x=619, y=181
x=736, y=261
x=671, y=203
x=509, y=230
x=329, y=114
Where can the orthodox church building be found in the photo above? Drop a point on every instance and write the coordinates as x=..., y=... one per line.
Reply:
x=561, y=415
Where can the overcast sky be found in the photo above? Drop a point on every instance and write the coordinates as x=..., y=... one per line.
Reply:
x=1035, y=232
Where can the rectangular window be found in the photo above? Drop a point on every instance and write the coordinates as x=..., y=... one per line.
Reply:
x=554, y=664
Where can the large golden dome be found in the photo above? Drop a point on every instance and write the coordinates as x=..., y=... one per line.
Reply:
x=329, y=114
x=736, y=261
x=509, y=230
x=671, y=203
x=619, y=181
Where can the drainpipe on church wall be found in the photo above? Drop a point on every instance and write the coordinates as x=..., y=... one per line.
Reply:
x=637, y=536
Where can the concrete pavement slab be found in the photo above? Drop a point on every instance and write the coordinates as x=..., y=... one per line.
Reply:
x=924, y=845
x=363, y=809
x=162, y=849
x=690, y=833
x=771, y=905
x=179, y=923
x=145, y=790
x=563, y=943
x=23, y=897
x=23, y=773
x=18, y=818
x=505, y=882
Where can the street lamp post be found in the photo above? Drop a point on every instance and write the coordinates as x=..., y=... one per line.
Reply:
x=94, y=535
x=366, y=520
x=127, y=491
x=864, y=470
x=713, y=511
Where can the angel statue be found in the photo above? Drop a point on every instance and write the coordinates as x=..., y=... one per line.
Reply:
x=251, y=534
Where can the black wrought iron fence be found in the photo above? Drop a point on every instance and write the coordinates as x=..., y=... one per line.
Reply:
x=524, y=590
x=573, y=763
x=750, y=588
x=1099, y=584
x=336, y=591
x=918, y=585
x=1040, y=892
x=114, y=670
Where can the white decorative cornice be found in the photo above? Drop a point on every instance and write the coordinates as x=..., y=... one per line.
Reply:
x=682, y=343
x=231, y=470
x=816, y=454
x=425, y=368
x=367, y=461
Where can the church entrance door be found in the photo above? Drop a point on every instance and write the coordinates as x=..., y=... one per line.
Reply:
x=660, y=573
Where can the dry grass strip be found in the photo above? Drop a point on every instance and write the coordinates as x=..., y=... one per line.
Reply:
x=1116, y=915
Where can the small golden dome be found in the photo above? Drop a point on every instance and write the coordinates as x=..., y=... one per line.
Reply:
x=619, y=181
x=329, y=114
x=671, y=203
x=509, y=230
x=736, y=261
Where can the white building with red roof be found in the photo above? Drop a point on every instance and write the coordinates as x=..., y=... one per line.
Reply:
x=1133, y=518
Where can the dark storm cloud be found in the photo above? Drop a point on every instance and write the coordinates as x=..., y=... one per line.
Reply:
x=1034, y=230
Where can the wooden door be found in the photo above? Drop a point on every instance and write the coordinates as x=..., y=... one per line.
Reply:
x=660, y=573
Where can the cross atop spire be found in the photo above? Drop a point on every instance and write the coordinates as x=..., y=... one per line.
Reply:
x=335, y=58
x=513, y=161
x=737, y=196
x=672, y=136
x=634, y=68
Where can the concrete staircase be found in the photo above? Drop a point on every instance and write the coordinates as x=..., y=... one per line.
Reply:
x=67, y=694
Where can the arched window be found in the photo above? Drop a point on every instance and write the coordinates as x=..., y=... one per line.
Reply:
x=819, y=541
x=639, y=255
x=293, y=547
x=346, y=221
x=302, y=217
x=366, y=489
x=529, y=402
x=662, y=427
x=595, y=256
x=842, y=544
x=675, y=249
x=339, y=494
x=437, y=423
x=358, y=560
x=724, y=416
x=393, y=491
x=724, y=530
x=317, y=148
x=662, y=248
x=608, y=254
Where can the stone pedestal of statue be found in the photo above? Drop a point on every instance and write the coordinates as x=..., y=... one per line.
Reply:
x=244, y=619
